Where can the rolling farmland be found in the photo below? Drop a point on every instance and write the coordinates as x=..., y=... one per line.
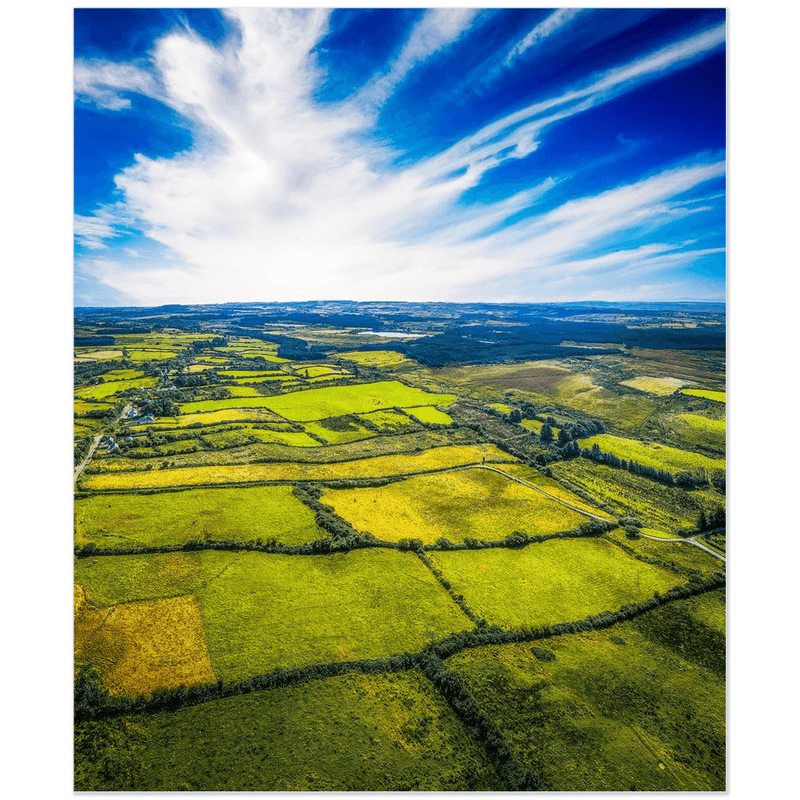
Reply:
x=359, y=571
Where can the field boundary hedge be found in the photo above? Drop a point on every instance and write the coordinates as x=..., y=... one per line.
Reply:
x=92, y=700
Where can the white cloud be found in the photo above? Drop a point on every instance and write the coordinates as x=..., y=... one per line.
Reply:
x=438, y=29
x=102, y=83
x=92, y=231
x=547, y=27
x=285, y=198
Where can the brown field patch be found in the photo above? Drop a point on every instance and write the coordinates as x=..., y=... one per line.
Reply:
x=533, y=379
x=145, y=646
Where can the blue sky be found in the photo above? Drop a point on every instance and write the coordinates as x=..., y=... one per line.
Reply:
x=450, y=154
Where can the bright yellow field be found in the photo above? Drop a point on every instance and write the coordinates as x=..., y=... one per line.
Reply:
x=706, y=393
x=378, y=467
x=473, y=503
x=145, y=646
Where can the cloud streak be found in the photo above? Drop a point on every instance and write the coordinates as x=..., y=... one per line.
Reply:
x=285, y=198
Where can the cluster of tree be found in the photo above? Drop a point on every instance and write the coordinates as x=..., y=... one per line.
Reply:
x=517, y=539
x=684, y=479
x=711, y=520
x=81, y=449
x=207, y=344
x=193, y=379
x=84, y=371
x=343, y=532
x=94, y=341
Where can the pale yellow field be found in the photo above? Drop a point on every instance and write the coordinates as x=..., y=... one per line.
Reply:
x=660, y=386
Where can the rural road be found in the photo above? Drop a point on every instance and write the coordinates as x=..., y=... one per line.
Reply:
x=686, y=540
x=95, y=443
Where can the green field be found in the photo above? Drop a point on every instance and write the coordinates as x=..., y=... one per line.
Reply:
x=82, y=407
x=391, y=421
x=657, y=505
x=333, y=401
x=553, y=488
x=338, y=430
x=269, y=611
x=429, y=415
x=227, y=415
x=719, y=397
x=652, y=454
x=103, y=390
x=377, y=467
x=377, y=358
x=473, y=503
x=554, y=581
x=638, y=707
x=349, y=733
x=242, y=515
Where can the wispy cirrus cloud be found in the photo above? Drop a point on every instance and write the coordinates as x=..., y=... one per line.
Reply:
x=546, y=28
x=283, y=197
x=438, y=29
x=105, y=83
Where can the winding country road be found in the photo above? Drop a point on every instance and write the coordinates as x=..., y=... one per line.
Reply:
x=96, y=442
x=685, y=540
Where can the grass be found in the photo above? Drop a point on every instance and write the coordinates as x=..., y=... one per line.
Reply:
x=268, y=452
x=657, y=505
x=552, y=487
x=122, y=375
x=554, y=581
x=97, y=355
x=652, y=454
x=82, y=407
x=503, y=408
x=319, y=370
x=473, y=503
x=429, y=415
x=103, y=390
x=700, y=431
x=348, y=733
x=391, y=421
x=719, y=397
x=248, y=373
x=377, y=467
x=377, y=358
x=151, y=355
x=338, y=430
x=140, y=648
x=638, y=707
x=226, y=415
x=659, y=386
x=332, y=401
x=271, y=611
x=242, y=515
x=115, y=579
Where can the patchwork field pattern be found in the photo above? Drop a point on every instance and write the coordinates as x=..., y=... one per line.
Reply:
x=304, y=573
